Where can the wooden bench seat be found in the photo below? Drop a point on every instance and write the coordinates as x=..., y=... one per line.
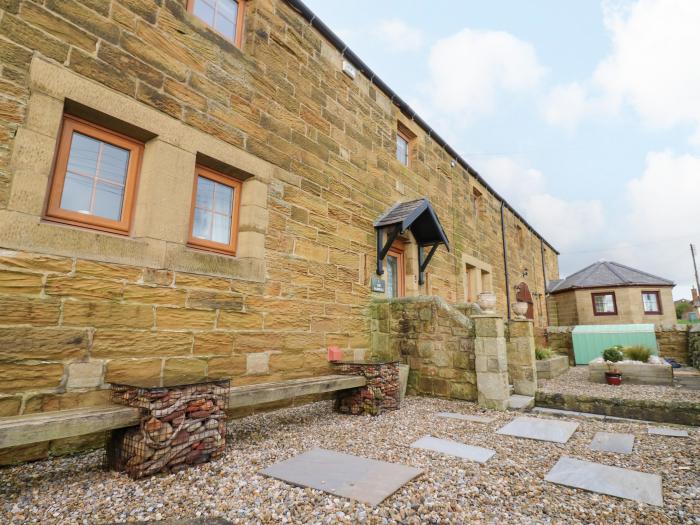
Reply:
x=47, y=426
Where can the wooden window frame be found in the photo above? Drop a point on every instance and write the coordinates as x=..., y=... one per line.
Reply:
x=660, y=310
x=397, y=250
x=238, y=41
x=237, y=185
x=408, y=139
x=55, y=213
x=597, y=294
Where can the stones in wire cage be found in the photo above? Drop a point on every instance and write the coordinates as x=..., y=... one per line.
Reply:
x=180, y=426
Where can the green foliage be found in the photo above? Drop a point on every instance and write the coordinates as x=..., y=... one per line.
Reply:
x=682, y=308
x=613, y=354
x=638, y=353
x=543, y=353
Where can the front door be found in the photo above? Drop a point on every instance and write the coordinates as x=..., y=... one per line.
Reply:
x=395, y=273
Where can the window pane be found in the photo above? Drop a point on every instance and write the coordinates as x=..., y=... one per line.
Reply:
x=225, y=26
x=108, y=201
x=228, y=8
x=83, y=154
x=114, y=164
x=392, y=280
x=401, y=149
x=222, y=229
x=651, y=303
x=77, y=193
x=202, y=224
x=223, y=199
x=205, y=193
x=604, y=304
x=204, y=11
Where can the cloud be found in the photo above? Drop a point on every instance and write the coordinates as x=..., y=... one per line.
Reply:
x=567, y=224
x=653, y=68
x=470, y=69
x=399, y=36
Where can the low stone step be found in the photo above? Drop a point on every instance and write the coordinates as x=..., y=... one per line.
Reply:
x=521, y=403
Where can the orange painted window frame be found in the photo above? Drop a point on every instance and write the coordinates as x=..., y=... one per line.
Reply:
x=239, y=22
x=212, y=246
x=55, y=213
x=397, y=250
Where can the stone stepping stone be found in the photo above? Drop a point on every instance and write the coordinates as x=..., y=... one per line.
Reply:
x=467, y=417
x=360, y=479
x=667, y=431
x=540, y=429
x=613, y=442
x=613, y=481
x=454, y=448
x=520, y=402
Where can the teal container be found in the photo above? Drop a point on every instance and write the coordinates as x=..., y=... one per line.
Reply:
x=590, y=340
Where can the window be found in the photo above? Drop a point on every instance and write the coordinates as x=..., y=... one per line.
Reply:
x=520, y=236
x=94, y=177
x=224, y=16
x=476, y=203
x=214, y=216
x=651, y=302
x=604, y=303
x=402, y=142
x=395, y=273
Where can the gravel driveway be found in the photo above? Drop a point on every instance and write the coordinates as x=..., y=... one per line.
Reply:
x=509, y=488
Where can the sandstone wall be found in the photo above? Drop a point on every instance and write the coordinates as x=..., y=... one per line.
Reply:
x=694, y=346
x=79, y=308
x=434, y=339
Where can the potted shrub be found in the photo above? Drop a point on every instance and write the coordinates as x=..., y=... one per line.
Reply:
x=613, y=355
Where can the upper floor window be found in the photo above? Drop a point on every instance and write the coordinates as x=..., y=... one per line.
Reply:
x=652, y=304
x=476, y=203
x=520, y=236
x=214, y=216
x=94, y=177
x=402, y=142
x=224, y=16
x=604, y=303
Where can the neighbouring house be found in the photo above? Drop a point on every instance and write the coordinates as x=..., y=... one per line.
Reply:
x=219, y=187
x=692, y=309
x=607, y=292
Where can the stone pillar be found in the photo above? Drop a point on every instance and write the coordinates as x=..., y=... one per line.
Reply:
x=491, y=362
x=522, y=365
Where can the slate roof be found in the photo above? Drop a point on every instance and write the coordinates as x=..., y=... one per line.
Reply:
x=606, y=274
x=419, y=217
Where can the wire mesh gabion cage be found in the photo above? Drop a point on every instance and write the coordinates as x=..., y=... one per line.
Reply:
x=180, y=426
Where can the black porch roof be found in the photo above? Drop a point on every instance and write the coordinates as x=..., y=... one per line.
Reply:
x=419, y=217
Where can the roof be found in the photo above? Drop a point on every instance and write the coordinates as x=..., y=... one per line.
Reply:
x=348, y=54
x=606, y=274
x=418, y=216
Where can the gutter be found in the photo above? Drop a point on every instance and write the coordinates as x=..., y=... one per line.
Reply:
x=544, y=275
x=363, y=68
x=505, y=257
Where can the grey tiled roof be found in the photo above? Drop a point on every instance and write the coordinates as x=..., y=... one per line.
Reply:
x=606, y=274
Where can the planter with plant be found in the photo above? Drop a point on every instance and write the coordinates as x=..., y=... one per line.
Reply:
x=611, y=356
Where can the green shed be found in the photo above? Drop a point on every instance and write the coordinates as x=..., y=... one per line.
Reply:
x=590, y=340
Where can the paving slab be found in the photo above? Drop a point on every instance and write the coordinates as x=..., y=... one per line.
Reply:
x=613, y=481
x=360, y=479
x=467, y=417
x=667, y=431
x=613, y=442
x=540, y=429
x=520, y=402
x=454, y=448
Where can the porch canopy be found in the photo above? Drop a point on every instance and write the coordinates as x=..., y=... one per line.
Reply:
x=417, y=216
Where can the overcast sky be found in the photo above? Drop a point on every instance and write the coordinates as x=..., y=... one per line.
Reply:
x=585, y=115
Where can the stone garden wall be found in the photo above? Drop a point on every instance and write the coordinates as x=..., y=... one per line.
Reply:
x=694, y=346
x=433, y=338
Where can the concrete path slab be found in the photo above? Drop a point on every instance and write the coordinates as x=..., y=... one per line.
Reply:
x=466, y=417
x=540, y=429
x=454, y=448
x=667, y=431
x=519, y=402
x=613, y=481
x=613, y=442
x=360, y=479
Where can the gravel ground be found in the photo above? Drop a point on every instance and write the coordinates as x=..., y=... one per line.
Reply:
x=509, y=488
x=575, y=381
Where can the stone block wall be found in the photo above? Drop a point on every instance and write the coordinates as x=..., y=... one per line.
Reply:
x=433, y=338
x=560, y=341
x=694, y=346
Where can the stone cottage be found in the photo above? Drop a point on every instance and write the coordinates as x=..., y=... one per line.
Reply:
x=607, y=292
x=192, y=187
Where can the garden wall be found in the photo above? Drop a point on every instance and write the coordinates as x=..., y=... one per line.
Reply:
x=694, y=346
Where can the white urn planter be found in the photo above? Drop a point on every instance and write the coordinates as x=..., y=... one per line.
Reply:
x=519, y=309
x=487, y=302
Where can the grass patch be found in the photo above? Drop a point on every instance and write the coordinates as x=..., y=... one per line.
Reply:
x=543, y=353
x=638, y=353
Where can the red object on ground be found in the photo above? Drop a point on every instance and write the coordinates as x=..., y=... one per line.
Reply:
x=335, y=353
x=613, y=379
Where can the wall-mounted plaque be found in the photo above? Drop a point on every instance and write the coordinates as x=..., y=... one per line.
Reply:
x=378, y=285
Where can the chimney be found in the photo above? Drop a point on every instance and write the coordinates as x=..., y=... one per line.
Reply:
x=694, y=293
